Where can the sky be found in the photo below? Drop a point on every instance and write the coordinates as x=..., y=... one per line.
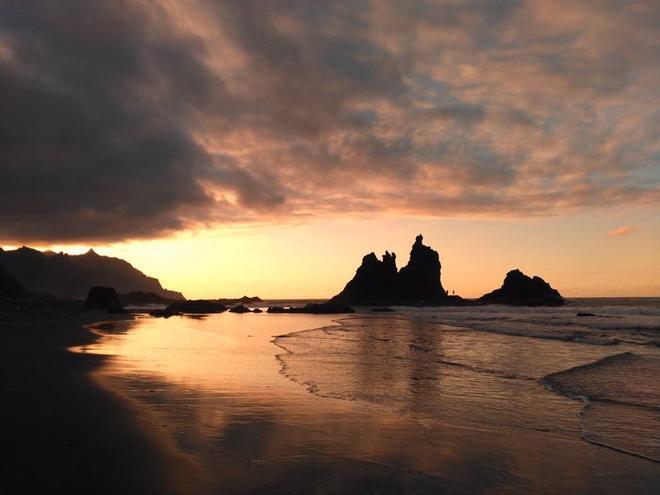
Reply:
x=263, y=147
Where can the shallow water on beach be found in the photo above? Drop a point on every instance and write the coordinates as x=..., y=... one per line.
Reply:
x=467, y=400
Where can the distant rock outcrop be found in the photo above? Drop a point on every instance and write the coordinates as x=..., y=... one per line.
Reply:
x=140, y=298
x=200, y=306
x=103, y=298
x=70, y=276
x=240, y=308
x=520, y=290
x=9, y=286
x=163, y=313
x=315, y=309
x=240, y=300
x=378, y=283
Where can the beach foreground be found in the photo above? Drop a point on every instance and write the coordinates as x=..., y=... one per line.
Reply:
x=61, y=432
x=392, y=404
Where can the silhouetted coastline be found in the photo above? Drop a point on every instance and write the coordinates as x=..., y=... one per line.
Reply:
x=376, y=283
x=70, y=276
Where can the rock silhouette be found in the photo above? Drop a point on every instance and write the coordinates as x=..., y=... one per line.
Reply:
x=240, y=308
x=200, y=306
x=374, y=283
x=520, y=290
x=241, y=300
x=419, y=281
x=70, y=276
x=9, y=286
x=163, y=313
x=316, y=309
x=378, y=283
x=141, y=298
x=103, y=298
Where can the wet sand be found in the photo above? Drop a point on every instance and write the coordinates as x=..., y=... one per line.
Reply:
x=61, y=431
x=217, y=405
x=361, y=407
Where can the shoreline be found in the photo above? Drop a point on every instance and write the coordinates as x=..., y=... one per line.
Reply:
x=63, y=431
x=73, y=426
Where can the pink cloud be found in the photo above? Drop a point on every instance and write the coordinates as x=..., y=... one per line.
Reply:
x=619, y=231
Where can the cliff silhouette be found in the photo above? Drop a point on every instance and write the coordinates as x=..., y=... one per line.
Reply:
x=71, y=276
x=9, y=286
x=378, y=282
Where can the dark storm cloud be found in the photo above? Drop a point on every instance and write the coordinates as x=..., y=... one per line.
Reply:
x=97, y=119
x=124, y=119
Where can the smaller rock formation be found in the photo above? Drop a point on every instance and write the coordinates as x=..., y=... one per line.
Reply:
x=316, y=309
x=199, y=306
x=257, y=310
x=383, y=310
x=239, y=308
x=163, y=313
x=103, y=298
x=141, y=298
x=520, y=290
x=240, y=300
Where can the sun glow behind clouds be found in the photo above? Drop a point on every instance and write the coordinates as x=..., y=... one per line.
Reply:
x=316, y=259
x=208, y=128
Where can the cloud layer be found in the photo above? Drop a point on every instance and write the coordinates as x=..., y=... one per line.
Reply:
x=122, y=119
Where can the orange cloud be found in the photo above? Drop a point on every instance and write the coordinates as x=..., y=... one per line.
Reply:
x=619, y=231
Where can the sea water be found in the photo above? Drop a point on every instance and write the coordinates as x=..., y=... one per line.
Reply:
x=461, y=400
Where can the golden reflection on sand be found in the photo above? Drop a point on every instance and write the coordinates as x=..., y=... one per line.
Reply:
x=236, y=413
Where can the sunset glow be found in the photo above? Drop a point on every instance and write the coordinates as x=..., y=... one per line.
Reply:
x=265, y=147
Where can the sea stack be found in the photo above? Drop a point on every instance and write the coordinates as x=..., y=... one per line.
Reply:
x=520, y=290
x=379, y=283
x=419, y=281
x=374, y=283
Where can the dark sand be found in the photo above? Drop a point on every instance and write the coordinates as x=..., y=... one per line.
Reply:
x=61, y=432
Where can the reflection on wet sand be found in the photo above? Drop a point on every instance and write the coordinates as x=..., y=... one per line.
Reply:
x=396, y=407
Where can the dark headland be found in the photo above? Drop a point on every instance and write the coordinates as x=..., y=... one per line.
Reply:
x=70, y=276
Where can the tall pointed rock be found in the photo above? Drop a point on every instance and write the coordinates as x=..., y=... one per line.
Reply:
x=419, y=281
x=378, y=282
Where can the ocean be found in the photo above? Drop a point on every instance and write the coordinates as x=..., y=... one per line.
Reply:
x=457, y=400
